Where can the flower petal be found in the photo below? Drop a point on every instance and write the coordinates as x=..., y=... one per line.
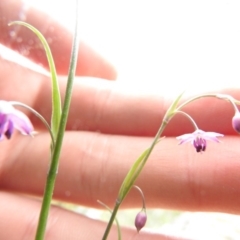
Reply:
x=185, y=138
x=3, y=124
x=212, y=136
x=21, y=122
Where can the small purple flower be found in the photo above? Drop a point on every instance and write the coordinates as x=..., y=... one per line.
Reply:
x=236, y=122
x=11, y=118
x=199, y=139
x=140, y=220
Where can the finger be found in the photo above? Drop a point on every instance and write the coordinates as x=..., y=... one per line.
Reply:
x=118, y=108
x=60, y=40
x=93, y=166
x=62, y=224
x=114, y=107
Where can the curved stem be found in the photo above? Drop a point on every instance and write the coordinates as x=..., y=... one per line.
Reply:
x=217, y=95
x=142, y=195
x=190, y=118
x=19, y=104
x=134, y=177
x=230, y=99
x=195, y=98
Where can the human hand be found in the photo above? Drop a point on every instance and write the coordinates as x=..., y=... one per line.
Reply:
x=108, y=129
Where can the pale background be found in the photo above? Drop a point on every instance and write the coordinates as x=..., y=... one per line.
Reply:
x=189, y=44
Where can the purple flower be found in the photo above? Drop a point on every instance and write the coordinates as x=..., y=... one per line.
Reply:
x=140, y=220
x=11, y=118
x=199, y=139
x=236, y=122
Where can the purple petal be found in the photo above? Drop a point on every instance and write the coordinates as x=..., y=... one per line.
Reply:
x=21, y=122
x=212, y=136
x=3, y=124
x=185, y=138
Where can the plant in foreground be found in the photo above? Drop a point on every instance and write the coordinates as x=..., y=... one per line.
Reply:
x=11, y=118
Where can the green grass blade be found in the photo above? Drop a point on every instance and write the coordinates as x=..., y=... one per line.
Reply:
x=172, y=108
x=56, y=99
x=128, y=179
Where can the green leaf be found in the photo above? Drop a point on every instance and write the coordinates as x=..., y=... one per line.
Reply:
x=172, y=108
x=133, y=173
x=56, y=99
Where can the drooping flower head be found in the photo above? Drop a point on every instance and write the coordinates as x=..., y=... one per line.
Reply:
x=199, y=139
x=140, y=220
x=11, y=118
x=236, y=122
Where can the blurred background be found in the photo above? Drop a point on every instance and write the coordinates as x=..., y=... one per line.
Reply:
x=191, y=44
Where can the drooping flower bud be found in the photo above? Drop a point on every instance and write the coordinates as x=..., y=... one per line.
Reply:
x=140, y=220
x=236, y=122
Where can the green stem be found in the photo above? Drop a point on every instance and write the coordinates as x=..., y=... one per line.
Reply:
x=119, y=201
x=58, y=145
x=114, y=213
x=195, y=98
x=142, y=195
x=190, y=118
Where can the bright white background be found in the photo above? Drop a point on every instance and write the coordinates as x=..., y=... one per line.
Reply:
x=188, y=43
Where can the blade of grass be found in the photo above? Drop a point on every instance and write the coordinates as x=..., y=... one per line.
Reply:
x=56, y=99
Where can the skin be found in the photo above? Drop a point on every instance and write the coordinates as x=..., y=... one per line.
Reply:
x=107, y=130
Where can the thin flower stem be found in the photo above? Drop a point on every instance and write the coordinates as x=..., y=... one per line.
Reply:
x=137, y=167
x=216, y=95
x=195, y=98
x=113, y=216
x=119, y=201
x=190, y=118
x=37, y=115
x=230, y=99
x=49, y=188
x=142, y=195
x=118, y=225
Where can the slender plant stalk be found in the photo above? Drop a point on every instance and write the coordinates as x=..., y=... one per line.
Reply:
x=119, y=201
x=113, y=216
x=49, y=188
x=118, y=226
x=138, y=165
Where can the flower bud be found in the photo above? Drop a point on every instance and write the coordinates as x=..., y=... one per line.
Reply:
x=236, y=122
x=140, y=220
